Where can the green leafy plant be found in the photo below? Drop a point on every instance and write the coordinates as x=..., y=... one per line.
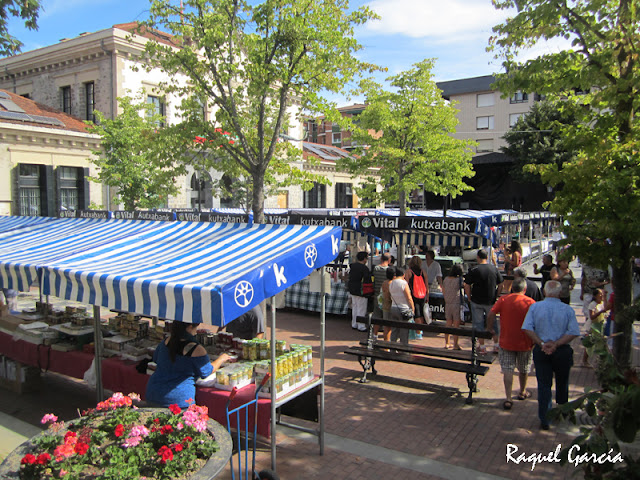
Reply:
x=117, y=441
x=612, y=410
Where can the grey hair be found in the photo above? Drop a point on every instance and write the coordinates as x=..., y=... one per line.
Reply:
x=518, y=285
x=520, y=272
x=552, y=289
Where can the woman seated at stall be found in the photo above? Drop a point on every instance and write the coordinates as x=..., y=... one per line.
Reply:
x=180, y=361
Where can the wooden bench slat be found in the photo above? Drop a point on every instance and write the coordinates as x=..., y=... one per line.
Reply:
x=418, y=360
x=463, y=355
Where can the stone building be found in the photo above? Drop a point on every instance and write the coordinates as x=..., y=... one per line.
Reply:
x=44, y=159
x=89, y=72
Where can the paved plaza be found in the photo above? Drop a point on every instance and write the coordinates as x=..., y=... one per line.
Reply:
x=407, y=422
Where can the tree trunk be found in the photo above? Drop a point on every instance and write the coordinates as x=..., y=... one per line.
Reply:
x=403, y=211
x=258, y=196
x=623, y=288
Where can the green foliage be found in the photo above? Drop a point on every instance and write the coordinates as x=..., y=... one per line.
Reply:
x=600, y=197
x=408, y=133
x=538, y=138
x=256, y=63
x=136, y=157
x=27, y=10
x=612, y=410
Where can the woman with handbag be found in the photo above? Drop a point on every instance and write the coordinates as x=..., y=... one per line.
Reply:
x=402, y=306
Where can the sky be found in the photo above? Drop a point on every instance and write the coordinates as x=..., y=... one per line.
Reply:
x=454, y=32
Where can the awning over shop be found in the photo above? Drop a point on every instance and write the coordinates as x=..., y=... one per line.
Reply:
x=8, y=223
x=188, y=271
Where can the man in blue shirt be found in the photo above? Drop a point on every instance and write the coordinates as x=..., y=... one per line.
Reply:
x=551, y=325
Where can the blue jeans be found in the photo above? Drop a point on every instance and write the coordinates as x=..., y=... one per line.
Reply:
x=559, y=363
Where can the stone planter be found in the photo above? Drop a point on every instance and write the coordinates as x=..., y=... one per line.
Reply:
x=10, y=467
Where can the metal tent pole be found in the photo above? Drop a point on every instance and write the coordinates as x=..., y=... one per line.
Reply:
x=97, y=341
x=273, y=384
x=322, y=341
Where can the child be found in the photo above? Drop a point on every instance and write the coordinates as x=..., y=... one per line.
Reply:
x=597, y=309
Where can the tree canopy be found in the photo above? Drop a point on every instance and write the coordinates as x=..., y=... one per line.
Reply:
x=135, y=158
x=538, y=138
x=257, y=65
x=25, y=9
x=407, y=131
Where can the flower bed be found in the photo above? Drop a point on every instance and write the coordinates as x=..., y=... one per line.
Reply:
x=117, y=440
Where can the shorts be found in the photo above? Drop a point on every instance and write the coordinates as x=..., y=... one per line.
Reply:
x=452, y=312
x=419, y=304
x=479, y=314
x=510, y=360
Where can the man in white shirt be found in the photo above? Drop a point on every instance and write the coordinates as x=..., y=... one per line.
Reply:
x=433, y=269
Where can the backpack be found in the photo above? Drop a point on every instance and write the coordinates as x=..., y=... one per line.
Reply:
x=419, y=288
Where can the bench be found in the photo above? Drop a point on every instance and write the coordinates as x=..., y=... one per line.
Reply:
x=463, y=361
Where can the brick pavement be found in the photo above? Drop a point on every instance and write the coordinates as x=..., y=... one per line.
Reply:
x=413, y=418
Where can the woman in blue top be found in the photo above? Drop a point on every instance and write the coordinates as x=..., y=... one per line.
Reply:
x=180, y=361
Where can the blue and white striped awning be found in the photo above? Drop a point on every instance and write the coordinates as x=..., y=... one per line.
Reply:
x=434, y=239
x=188, y=271
x=8, y=223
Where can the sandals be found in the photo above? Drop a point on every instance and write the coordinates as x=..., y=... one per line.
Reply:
x=525, y=395
x=457, y=347
x=507, y=404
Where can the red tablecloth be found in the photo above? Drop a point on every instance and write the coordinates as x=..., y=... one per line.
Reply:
x=121, y=376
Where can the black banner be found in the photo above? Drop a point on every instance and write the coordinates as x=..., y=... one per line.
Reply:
x=103, y=214
x=212, y=217
x=144, y=215
x=419, y=224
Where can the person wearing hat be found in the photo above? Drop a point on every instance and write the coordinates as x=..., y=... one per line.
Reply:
x=180, y=361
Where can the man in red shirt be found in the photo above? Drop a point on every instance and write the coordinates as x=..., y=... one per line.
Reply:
x=515, y=345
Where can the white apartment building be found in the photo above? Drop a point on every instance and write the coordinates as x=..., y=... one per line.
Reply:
x=483, y=114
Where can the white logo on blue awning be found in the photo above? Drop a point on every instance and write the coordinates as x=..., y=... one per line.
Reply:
x=310, y=255
x=244, y=293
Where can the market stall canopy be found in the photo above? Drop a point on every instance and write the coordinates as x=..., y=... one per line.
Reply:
x=188, y=271
x=9, y=223
x=426, y=228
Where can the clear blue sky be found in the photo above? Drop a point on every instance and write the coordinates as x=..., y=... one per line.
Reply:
x=455, y=32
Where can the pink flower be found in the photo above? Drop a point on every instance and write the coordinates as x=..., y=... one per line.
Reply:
x=134, y=396
x=49, y=417
x=139, y=431
x=179, y=426
x=62, y=473
x=132, y=441
x=63, y=451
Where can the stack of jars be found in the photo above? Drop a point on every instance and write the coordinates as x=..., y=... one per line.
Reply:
x=235, y=375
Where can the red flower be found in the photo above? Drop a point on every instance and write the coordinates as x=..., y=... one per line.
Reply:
x=70, y=438
x=154, y=429
x=28, y=459
x=177, y=447
x=119, y=430
x=166, y=429
x=175, y=409
x=166, y=454
x=43, y=459
x=156, y=420
x=81, y=448
x=187, y=439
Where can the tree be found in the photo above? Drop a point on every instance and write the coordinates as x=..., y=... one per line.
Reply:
x=407, y=133
x=255, y=64
x=25, y=9
x=600, y=197
x=537, y=138
x=135, y=158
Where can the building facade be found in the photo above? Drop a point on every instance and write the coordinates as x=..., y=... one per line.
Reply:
x=89, y=72
x=318, y=130
x=44, y=159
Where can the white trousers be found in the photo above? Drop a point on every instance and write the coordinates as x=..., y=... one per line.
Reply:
x=358, y=309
